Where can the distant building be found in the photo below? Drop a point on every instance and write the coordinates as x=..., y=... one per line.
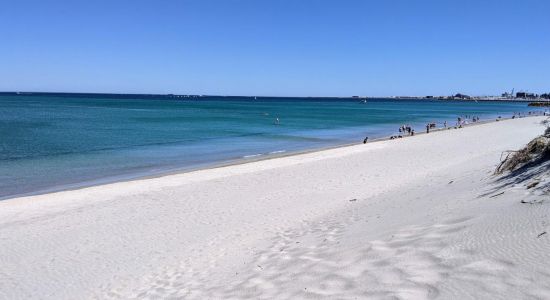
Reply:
x=461, y=96
x=525, y=95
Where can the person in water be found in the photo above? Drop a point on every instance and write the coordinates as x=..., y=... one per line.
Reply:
x=365, y=140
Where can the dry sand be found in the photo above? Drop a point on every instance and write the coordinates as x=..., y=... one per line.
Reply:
x=413, y=218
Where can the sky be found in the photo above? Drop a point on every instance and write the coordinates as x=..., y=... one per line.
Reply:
x=276, y=47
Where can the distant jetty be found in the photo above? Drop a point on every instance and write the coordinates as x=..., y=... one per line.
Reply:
x=540, y=104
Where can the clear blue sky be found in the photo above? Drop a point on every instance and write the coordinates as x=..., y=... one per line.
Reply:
x=276, y=47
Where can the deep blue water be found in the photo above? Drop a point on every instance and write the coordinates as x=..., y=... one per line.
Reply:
x=50, y=142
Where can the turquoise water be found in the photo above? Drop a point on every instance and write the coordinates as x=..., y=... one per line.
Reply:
x=50, y=143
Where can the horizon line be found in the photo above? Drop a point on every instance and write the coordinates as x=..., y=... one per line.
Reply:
x=247, y=96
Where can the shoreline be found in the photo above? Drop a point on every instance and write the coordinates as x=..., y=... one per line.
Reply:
x=410, y=218
x=221, y=164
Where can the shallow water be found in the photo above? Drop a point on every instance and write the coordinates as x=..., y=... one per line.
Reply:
x=51, y=143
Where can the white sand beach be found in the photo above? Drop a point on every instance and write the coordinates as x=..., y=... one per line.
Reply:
x=414, y=218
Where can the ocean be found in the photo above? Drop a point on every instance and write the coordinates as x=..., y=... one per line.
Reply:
x=52, y=142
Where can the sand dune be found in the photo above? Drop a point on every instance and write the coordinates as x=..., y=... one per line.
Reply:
x=414, y=218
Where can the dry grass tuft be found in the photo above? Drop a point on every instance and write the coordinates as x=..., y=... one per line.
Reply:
x=537, y=151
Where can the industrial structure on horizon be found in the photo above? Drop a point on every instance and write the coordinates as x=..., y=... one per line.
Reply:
x=521, y=95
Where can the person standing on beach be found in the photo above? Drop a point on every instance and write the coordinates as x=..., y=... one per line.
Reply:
x=445, y=124
x=427, y=128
